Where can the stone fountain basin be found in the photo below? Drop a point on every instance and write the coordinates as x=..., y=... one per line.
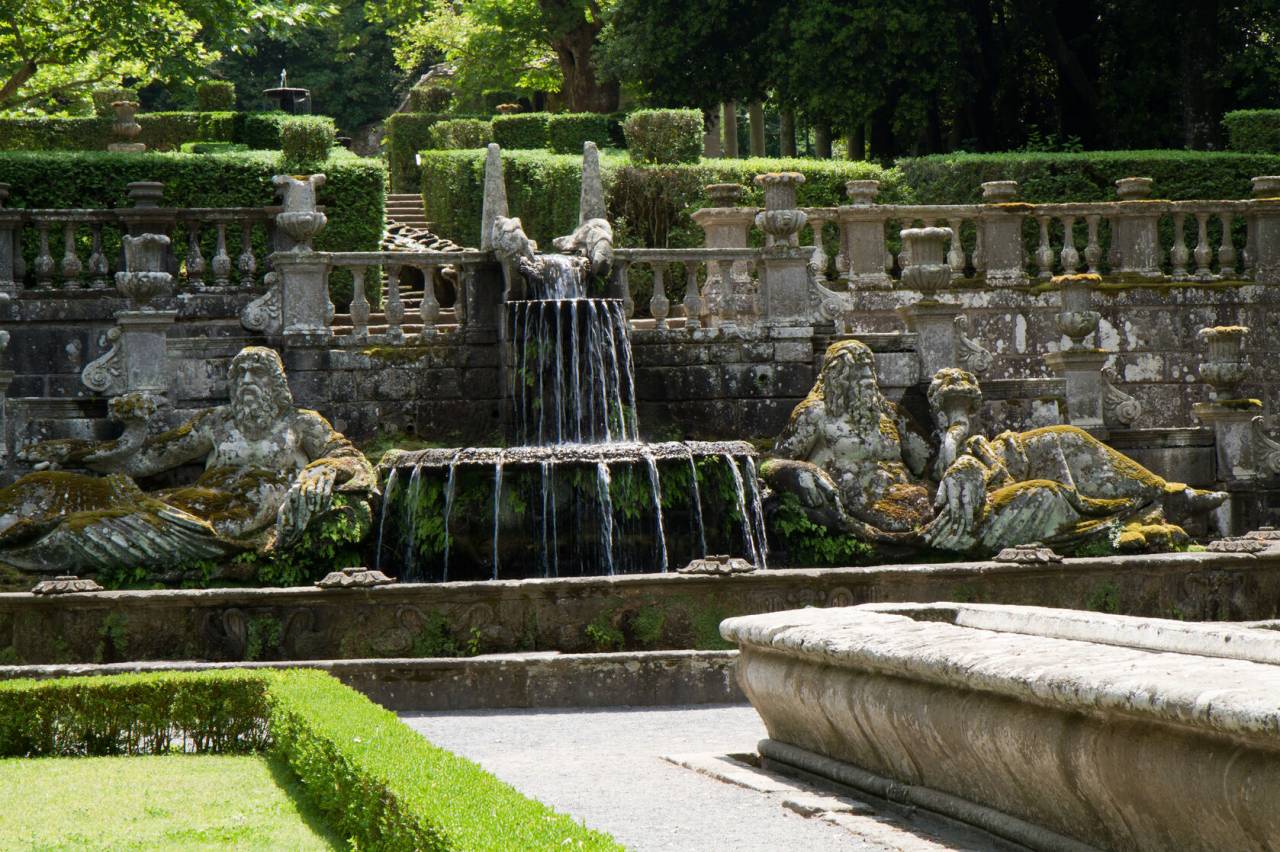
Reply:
x=564, y=454
x=1054, y=728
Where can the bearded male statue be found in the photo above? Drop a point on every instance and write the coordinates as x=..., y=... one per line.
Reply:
x=270, y=471
x=850, y=457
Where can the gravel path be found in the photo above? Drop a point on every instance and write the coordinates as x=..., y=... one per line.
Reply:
x=605, y=767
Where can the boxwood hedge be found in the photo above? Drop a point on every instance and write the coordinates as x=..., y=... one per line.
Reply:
x=406, y=135
x=566, y=131
x=372, y=778
x=521, y=131
x=161, y=131
x=1253, y=130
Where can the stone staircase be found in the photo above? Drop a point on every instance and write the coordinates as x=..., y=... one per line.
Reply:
x=406, y=209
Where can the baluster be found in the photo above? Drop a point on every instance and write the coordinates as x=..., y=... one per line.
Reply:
x=195, y=260
x=1044, y=253
x=98, y=266
x=1093, y=249
x=44, y=266
x=246, y=263
x=692, y=301
x=955, y=252
x=1179, y=255
x=1069, y=256
x=359, y=305
x=394, y=307
x=221, y=265
x=429, y=310
x=659, y=305
x=19, y=262
x=1226, y=251
x=819, y=259
x=71, y=265
x=842, y=254
x=1203, y=254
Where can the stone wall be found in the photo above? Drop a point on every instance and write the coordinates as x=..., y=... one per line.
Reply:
x=636, y=612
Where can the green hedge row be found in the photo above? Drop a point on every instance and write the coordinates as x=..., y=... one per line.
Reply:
x=405, y=134
x=371, y=777
x=648, y=205
x=354, y=194
x=1084, y=176
x=459, y=133
x=1254, y=131
x=161, y=131
x=567, y=131
x=523, y=131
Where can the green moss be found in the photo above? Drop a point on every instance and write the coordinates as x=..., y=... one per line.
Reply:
x=436, y=639
x=263, y=636
x=113, y=639
x=604, y=635
x=647, y=626
x=807, y=543
x=1104, y=598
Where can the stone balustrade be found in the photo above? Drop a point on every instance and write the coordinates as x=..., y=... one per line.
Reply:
x=721, y=286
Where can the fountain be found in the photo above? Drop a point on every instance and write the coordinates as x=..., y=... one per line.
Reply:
x=577, y=492
x=290, y=99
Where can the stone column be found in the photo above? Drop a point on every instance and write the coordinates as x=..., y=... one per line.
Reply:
x=1230, y=416
x=862, y=237
x=1003, y=263
x=1136, y=236
x=1080, y=366
x=729, y=123
x=591, y=194
x=1264, y=224
x=784, y=279
x=10, y=221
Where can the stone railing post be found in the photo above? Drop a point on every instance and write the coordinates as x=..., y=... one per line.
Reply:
x=10, y=221
x=1136, y=238
x=1264, y=230
x=146, y=216
x=303, y=273
x=940, y=327
x=1079, y=365
x=784, y=279
x=862, y=244
x=1003, y=262
x=1224, y=369
x=726, y=225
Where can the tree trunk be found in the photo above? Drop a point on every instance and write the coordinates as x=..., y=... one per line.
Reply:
x=711, y=134
x=730, y=125
x=582, y=88
x=755, y=111
x=856, y=142
x=19, y=79
x=822, y=140
x=787, y=130
x=883, y=147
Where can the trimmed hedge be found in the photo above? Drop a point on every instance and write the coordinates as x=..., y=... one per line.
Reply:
x=161, y=131
x=521, y=131
x=216, y=96
x=371, y=777
x=429, y=99
x=406, y=135
x=261, y=130
x=664, y=135
x=305, y=141
x=1084, y=176
x=459, y=133
x=648, y=205
x=1253, y=130
x=567, y=131
x=166, y=131
x=103, y=98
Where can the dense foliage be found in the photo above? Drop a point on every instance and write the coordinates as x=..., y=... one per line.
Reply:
x=373, y=779
x=406, y=135
x=1253, y=130
x=161, y=131
x=216, y=96
x=664, y=135
x=459, y=133
x=522, y=131
x=567, y=131
x=305, y=142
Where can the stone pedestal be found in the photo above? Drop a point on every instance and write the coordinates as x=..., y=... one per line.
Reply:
x=1000, y=229
x=126, y=147
x=1264, y=245
x=305, y=308
x=934, y=323
x=1081, y=370
x=1232, y=425
x=1135, y=230
x=727, y=227
x=784, y=277
x=862, y=234
x=143, y=340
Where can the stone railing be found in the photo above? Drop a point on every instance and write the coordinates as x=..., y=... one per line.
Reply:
x=211, y=249
x=721, y=285
x=1005, y=242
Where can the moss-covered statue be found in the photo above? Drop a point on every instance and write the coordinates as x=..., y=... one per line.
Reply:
x=857, y=465
x=271, y=472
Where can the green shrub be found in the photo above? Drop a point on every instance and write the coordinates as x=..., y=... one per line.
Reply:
x=648, y=205
x=664, y=135
x=1084, y=176
x=406, y=135
x=373, y=779
x=521, y=131
x=261, y=130
x=212, y=147
x=459, y=133
x=166, y=131
x=305, y=141
x=567, y=131
x=429, y=99
x=161, y=131
x=103, y=98
x=216, y=96
x=1254, y=131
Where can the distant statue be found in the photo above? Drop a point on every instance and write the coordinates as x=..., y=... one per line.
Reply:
x=270, y=471
x=856, y=465
x=284, y=79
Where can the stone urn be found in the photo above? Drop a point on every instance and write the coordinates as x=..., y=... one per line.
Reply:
x=724, y=194
x=1133, y=188
x=1226, y=365
x=780, y=219
x=300, y=219
x=1266, y=186
x=1077, y=319
x=928, y=270
x=145, y=193
x=126, y=127
x=783, y=226
x=862, y=193
x=779, y=189
x=999, y=191
x=144, y=279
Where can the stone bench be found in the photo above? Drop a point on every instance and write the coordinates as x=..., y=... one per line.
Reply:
x=1054, y=728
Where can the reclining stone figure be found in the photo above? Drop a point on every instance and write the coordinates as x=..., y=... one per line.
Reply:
x=270, y=471
x=855, y=463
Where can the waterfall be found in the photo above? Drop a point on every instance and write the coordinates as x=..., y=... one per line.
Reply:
x=747, y=535
x=757, y=513
x=696, y=499
x=657, y=506
x=410, y=526
x=382, y=519
x=497, y=511
x=448, y=510
x=603, y=482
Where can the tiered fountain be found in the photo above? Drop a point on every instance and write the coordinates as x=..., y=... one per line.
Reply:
x=577, y=493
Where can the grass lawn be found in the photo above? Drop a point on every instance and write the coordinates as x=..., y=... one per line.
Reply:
x=177, y=801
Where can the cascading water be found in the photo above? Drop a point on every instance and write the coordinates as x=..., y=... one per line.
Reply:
x=578, y=494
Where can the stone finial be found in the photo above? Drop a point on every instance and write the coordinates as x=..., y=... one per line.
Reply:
x=724, y=194
x=145, y=193
x=495, y=195
x=722, y=565
x=354, y=578
x=1034, y=553
x=300, y=218
x=862, y=193
x=1265, y=186
x=144, y=278
x=928, y=270
x=1237, y=544
x=779, y=189
x=1226, y=365
x=591, y=197
x=1077, y=320
x=999, y=191
x=64, y=584
x=1134, y=188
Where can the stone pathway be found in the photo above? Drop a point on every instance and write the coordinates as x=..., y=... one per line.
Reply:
x=658, y=779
